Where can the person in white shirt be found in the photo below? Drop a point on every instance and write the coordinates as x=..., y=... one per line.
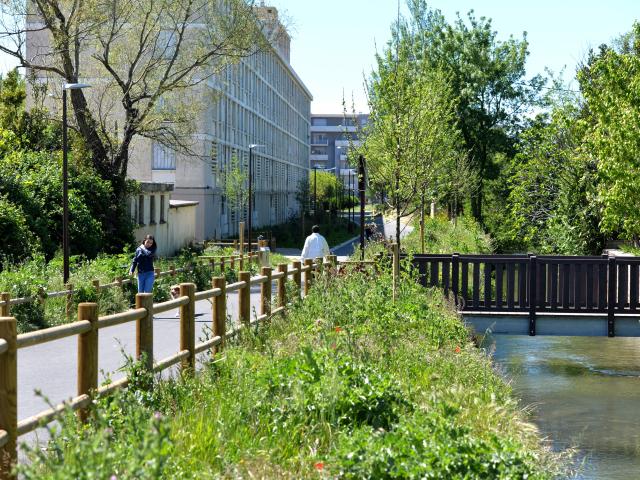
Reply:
x=315, y=245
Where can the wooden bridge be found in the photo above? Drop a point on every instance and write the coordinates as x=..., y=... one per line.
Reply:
x=539, y=295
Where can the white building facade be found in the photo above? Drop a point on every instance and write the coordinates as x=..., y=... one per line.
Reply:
x=261, y=101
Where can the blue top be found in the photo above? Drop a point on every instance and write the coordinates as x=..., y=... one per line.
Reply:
x=143, y=259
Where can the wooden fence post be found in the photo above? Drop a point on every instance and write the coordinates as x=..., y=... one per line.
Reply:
x=4, y=307
x=173, y=270
x=9, y=396
x=87, y=354
x=396, y=269
x=232, y=262
x=188, y=326
x=241, y=262
x=611, y=297
x=69, y=300
x=320, y=266
x=297, y=276
x=532, y=294
x=219, y=312
x=308, y=276
x=144, y=330
x=241, y=237
x=282, y=285
x=455, y=277
x=96, y=286
x=222, y=264
x=244, y=298
x=265, y=292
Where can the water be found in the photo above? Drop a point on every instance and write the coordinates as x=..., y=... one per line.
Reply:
x=584, y=393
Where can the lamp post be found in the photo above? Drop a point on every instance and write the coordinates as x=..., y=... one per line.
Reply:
x=361, y=188
x=249, y=220
x=315, y=192
x=65, y=179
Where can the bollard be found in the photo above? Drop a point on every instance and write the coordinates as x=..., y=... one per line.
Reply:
x=219, y=312
x=87, y=354
x=188, y=327
x=265, y=292
x=282, y=285
x=144, y=330
x=9, y=396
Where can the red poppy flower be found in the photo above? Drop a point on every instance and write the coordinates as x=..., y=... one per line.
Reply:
x=457, y=350
x=318, y=466
x=338, y=329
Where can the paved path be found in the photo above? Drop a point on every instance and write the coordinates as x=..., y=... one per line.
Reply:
x=52, y=367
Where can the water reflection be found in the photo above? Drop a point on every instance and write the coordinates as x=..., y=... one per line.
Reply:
x=585, y=392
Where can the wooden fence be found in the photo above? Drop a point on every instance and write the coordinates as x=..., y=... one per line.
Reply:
x=89, y=324
x=535, y=284
x=6, y=302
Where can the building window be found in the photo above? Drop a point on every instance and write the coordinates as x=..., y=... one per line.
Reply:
x=319, y=122
x=152, y=210
x=162, y=206
x=141, y=210
x=164, y=158
x=318, y=150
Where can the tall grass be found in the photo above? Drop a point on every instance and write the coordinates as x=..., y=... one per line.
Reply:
x=350, y=384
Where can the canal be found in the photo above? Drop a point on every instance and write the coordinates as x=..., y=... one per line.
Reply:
x=584, y=392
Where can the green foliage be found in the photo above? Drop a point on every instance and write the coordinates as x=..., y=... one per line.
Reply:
x=610, y=83
x=349, y=385
x=17, y=241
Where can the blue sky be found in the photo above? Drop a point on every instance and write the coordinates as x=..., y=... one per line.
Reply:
x=334, y=41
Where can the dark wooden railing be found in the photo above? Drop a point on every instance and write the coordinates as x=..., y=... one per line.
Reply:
x=557, y=284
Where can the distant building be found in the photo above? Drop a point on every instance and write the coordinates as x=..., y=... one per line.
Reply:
x=331, y=135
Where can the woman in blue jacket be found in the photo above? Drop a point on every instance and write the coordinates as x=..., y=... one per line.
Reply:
x=143, y=261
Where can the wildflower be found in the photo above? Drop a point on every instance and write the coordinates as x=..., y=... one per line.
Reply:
x=457, y=350
x=157, y=416
x=113, y=477
x=318, y=466
x=338, y=329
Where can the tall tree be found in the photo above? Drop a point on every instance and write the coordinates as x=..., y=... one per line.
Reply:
x=610, y=82
x=143, y=58
x=411, y=128
x=488, y=77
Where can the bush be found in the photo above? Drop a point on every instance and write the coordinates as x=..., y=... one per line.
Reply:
x=17, y=241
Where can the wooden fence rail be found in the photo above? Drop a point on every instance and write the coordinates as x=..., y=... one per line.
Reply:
x=6, y=302
x=89, y=324
x=536, y=284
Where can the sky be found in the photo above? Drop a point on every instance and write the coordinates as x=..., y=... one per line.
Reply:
x=334, y=41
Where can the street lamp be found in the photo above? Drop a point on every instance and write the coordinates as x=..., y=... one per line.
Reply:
x=315, y=192
x=251, y=147
x=65, y=179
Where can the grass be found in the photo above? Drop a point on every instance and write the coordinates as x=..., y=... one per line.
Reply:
x=36, y=275
x=348, y=385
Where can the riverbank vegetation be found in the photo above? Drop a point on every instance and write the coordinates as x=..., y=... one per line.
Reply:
x=350, y=384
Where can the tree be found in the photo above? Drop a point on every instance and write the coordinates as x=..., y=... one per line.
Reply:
x=236, y=188
x=610, y=82
x=144, y=55
x=486, y=75
x=411, y=131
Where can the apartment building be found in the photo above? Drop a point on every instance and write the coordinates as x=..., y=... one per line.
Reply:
x=331, y=137
x=258, y=101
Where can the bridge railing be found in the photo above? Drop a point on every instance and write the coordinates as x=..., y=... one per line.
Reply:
x=535, y=284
